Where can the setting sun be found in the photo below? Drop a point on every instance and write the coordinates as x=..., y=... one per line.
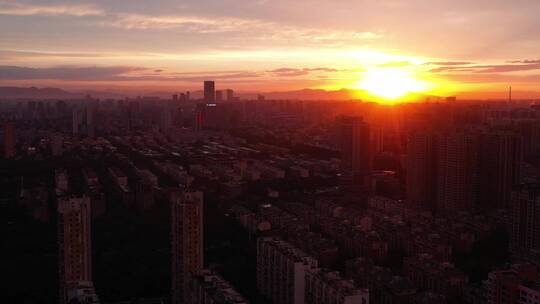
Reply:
x=391, y=83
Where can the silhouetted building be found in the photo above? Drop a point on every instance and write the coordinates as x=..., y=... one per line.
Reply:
x=90, y=125
x=517, y=285
x=200, y=112
x=74, y=244
x=230, y=95
x=356, y=151
x=57, y=145
x=429, y=274
x=281, y=271
x=421, y=181
x=325, y=287
x=210, y=288
x=187, y=242
x=219, y=96
x=525, y=220
x=457, y=171
x=9, y=140
x=499, y=167
x=83, y=120
x=209, y=92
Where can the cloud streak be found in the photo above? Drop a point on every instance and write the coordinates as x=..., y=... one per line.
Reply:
x=256, y=29
x=116, y=73
x=9, y=54
x=450, y=63
x=78, y=10
x=183, y=23
x=65, y=73
x=516, y=66
x=294, y=72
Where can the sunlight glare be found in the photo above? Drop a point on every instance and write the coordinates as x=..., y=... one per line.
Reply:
x=391, y=83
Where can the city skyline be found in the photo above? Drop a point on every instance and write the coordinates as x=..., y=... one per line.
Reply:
x=452, y=48
x=270, y=151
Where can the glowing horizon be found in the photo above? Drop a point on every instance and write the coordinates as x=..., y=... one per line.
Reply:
x=267, y=46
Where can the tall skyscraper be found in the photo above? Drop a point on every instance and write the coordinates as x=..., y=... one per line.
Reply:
x=187, y=242
x=74, y=244
x=356, y=151
x=457, y=171
x=9, y=140
x=421, y=183
x=209, y=92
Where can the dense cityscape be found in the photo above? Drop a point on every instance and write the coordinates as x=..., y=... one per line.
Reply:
x=270, y=151
x=223, y=200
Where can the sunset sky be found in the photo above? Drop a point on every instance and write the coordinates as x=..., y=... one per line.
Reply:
x=464, y=47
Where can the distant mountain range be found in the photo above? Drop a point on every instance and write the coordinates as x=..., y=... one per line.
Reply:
x=36, y=93
x=56, y=93
x=51, y=93
x=309, y=94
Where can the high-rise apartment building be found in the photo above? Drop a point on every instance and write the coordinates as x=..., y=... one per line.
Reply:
x=83, y=119
x=355, y=145
x=209, y=92
x=165, y=121
x=186, y=242
x=219, y=96
x=57, y=145
x=210, y=288
x=76, y=118
x=517, y=285
x=457, y=171
x=9, y=140
x=421, y=183
x=229, y=94
x=500, y=161
x=525, y=220
x=74, y=244
x=325, y=287
x=281, y=271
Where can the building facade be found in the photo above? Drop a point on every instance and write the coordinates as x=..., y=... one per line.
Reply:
x=186, y=242
x=74, y=244
x=281, y=271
